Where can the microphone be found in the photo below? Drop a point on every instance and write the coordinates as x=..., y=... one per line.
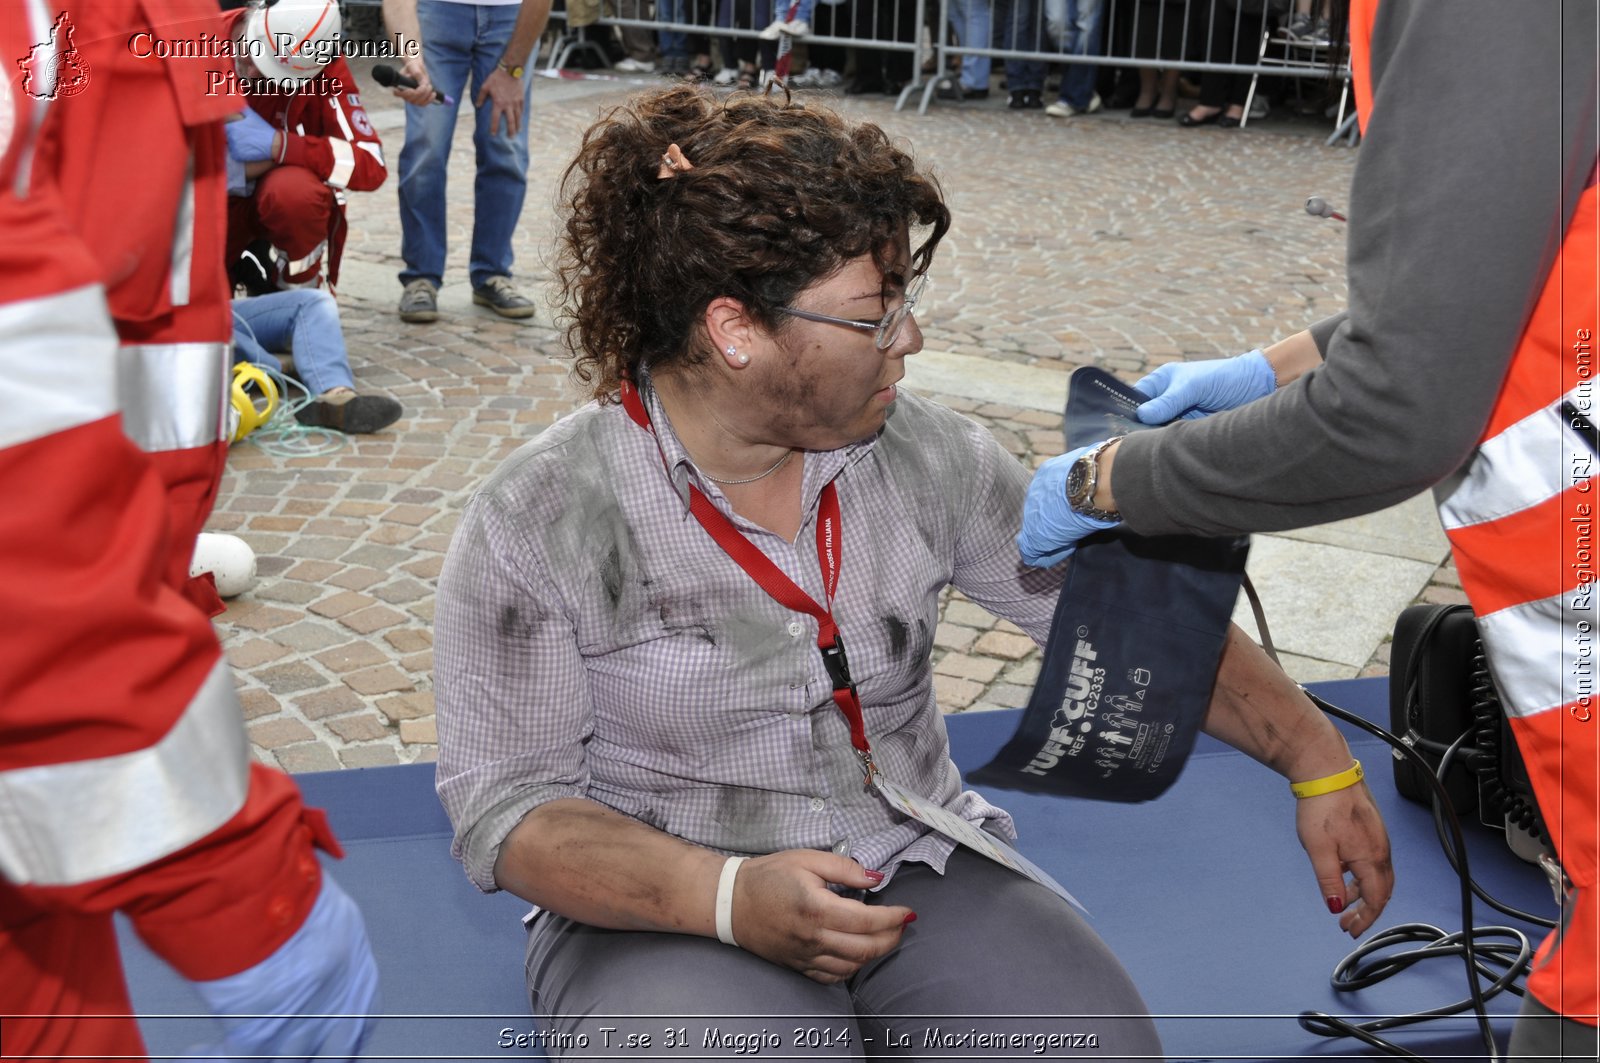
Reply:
x=390, y=78
x=1316, y=206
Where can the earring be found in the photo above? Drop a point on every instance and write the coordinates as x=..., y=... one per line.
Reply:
x=744, y=359
x=733, y=352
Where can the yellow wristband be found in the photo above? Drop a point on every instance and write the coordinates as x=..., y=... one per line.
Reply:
x=1328, y=783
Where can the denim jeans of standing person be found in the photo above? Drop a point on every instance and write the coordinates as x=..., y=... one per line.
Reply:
x=674, y=44
x=462, y=42
x=304, y=320
x=1080, y=35
x=970, y=21
x=1020, y=32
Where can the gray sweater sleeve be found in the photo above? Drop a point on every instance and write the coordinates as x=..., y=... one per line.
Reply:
x=1481, y=138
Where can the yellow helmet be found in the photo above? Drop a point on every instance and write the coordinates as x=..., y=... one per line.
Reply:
x=251, y=411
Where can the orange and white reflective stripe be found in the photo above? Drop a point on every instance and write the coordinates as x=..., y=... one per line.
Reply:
x=58, y=362
x=79, y=821
x=174, y=395
x=1522, y=466
x=1526, y=641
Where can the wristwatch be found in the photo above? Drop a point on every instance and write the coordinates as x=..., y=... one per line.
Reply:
x=514, y=71
x=1082, y=479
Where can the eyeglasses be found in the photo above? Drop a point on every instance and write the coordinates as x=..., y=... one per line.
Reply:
x=888, y=329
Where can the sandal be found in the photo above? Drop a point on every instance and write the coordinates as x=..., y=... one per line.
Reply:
x=746, y=81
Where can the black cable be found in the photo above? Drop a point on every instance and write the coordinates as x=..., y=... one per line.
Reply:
x=1477, y=890
x=1479, y=962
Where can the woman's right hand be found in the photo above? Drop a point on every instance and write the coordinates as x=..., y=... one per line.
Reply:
x=784, y=912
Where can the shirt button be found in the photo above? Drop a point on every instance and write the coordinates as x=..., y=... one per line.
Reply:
x=841, y=847
x=818, y=804
x=795, y=629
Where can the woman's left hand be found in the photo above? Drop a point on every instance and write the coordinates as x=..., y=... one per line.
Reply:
x=1342, y=832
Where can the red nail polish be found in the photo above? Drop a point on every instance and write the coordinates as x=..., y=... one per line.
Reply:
x=875, y=876
x=911, y=917
x=1335, y=905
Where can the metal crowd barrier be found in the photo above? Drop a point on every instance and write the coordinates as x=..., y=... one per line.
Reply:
x=1201, y=36
x=897, y=24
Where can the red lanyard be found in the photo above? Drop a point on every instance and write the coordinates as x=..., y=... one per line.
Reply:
x=770, y=578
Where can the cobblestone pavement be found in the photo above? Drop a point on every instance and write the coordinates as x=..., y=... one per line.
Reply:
x=1097, y=240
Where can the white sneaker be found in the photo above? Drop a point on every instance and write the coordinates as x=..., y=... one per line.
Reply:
x=809, y=78
x=798, y=28
x=726, y=76
x=830, y=78
x=1063, y=109
x=230, y=561
x=635, y=66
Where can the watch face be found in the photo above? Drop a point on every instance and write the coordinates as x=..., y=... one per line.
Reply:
x=1078, y=483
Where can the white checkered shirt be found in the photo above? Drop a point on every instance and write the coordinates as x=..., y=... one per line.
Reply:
x=594, y=641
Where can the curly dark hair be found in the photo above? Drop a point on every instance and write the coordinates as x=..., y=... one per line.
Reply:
x=780, y=195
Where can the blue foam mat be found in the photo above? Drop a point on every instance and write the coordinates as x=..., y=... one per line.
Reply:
x=1205, y=895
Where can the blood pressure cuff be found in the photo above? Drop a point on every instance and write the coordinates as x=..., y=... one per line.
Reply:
x=1133, y=650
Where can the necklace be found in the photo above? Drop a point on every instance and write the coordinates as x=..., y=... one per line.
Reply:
x=750, y=479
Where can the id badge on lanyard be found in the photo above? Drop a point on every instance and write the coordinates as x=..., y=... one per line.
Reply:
x=830, y=555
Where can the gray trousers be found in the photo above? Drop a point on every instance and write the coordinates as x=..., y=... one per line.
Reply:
x=994, y=967
x=1541, y=1034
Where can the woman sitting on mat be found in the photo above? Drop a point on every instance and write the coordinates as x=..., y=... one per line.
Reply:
x=640, y=674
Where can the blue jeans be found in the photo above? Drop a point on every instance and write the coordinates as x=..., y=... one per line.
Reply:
x=674, y=44
x=461, y=42
x=1080, y=37
x=970, y=20
x=1020, y=31
x=305, y=320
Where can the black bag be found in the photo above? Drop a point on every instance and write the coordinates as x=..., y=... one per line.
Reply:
x=1440, y=689
x=1430, y=662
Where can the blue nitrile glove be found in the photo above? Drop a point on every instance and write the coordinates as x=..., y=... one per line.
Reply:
x=250, y=137
x=238, y=183
x=1051, y=528
x=320, y=990
x=1192, y=390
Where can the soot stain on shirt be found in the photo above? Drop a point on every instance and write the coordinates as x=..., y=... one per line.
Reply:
x=746, y=817
x=513, y=625
x=896, y=629
x=611, y=575
x=679, y=618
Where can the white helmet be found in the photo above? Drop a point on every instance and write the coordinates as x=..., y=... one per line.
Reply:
x=293, y=39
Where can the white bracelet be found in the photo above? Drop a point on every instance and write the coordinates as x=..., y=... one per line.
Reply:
x=730, y=870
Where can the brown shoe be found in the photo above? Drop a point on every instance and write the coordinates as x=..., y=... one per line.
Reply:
x=420, y=302
x=343, y=410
